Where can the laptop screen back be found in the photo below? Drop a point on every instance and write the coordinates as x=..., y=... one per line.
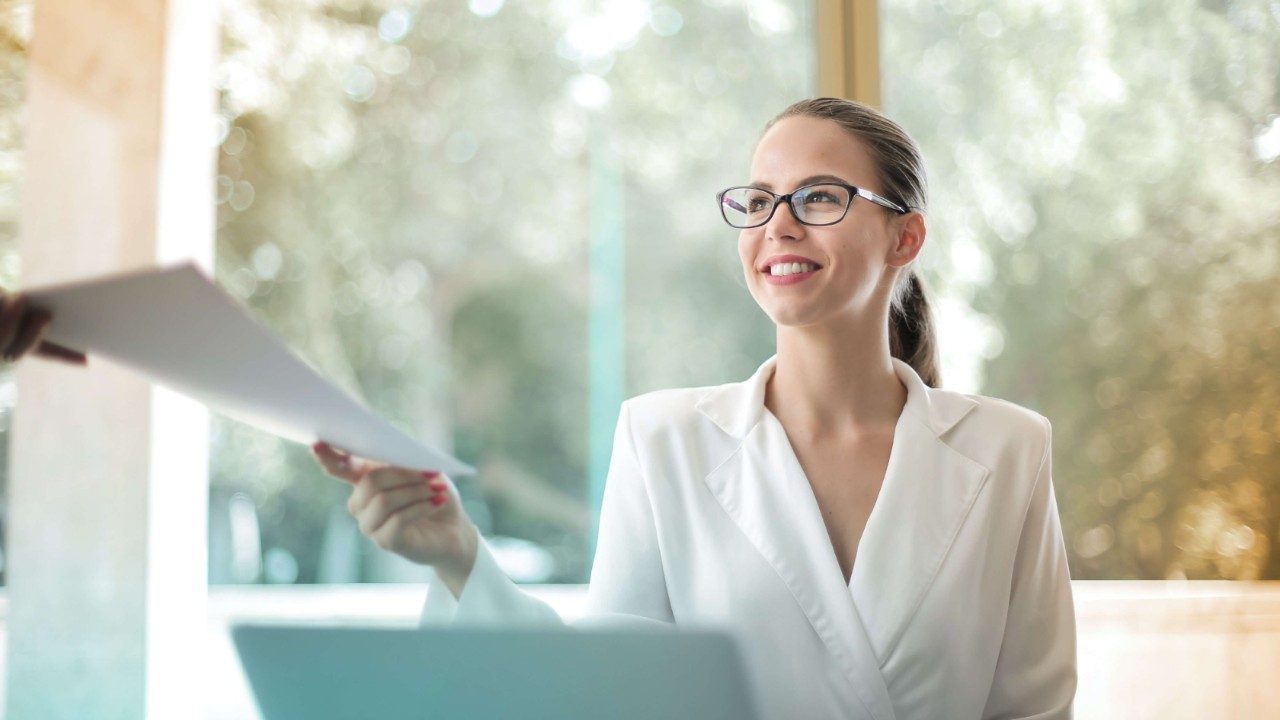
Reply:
x=349, y=673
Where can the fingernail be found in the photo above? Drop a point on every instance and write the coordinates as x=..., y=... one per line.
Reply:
x=438, y=500
x=430, y=473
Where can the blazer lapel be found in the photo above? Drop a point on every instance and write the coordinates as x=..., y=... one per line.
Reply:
x=764, y=490
x=927, y=491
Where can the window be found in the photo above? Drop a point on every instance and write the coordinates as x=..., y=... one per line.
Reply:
x=494, y=222
x=1105, y=230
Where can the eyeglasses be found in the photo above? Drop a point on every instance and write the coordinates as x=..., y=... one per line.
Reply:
x=820, y=204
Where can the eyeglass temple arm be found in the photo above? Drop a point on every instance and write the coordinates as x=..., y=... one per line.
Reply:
x=880, y=200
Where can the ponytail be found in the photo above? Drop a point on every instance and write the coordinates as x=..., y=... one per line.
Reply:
x=911, y=330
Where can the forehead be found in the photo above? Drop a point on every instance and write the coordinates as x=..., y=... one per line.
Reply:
x=800, y=147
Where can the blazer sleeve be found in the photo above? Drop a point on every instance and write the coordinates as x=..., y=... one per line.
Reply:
x=627, y=579
x=1035, y=675
x=627, y=584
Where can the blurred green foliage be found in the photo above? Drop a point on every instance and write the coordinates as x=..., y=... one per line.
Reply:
x=403, y=193
x=1107, y=195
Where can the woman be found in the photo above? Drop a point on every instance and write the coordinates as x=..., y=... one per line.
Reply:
x=883, y=548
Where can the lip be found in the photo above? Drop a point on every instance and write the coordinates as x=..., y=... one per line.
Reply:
x=764, y=268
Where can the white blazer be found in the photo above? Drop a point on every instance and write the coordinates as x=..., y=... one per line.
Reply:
x=960, y=600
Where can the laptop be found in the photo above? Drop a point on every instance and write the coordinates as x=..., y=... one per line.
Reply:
x=351, y=673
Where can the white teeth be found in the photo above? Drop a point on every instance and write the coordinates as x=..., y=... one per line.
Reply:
x=791, y=268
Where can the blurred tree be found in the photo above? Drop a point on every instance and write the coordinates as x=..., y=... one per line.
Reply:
x=1107, y=188
x=404, y=194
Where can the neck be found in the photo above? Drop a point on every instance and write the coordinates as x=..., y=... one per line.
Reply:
x=836, y=380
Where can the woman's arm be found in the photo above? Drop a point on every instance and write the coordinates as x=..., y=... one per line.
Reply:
x=1035, y=675
x=627, y=579
x=487, y=596
x=627, y=582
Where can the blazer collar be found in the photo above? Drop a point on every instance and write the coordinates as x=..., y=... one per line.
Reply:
x=738, y=407
x=928, y=490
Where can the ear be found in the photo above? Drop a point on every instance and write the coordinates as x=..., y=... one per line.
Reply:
x=909, y=232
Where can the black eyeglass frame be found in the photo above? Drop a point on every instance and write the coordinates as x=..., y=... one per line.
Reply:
x=854, y=191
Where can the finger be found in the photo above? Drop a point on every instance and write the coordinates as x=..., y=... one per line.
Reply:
x=53, y=351
x=32, y=329
x=10, y=319
x=387, y=503
x=386, y=477
x=381, y=479
x=419, y=511
x=337, y=463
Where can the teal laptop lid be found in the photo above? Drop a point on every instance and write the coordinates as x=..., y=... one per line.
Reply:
x=349, y=673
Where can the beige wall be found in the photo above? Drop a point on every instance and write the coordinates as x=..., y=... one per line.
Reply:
x=1202, y=649
x=1148, y=650
x=101, y=620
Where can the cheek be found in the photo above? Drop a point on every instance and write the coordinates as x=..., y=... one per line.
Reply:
x=860, y=274
x=747, y=248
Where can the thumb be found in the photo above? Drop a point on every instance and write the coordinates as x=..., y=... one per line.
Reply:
x=340, y=464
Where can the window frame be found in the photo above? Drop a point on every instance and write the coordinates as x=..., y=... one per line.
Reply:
x=847, y=38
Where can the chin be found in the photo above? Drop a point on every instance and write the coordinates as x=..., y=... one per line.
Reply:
x=793, y=316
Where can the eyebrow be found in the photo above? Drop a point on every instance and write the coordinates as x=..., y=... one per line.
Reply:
x=806, y=181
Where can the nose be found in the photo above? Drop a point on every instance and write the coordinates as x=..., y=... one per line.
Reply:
x=784, y=223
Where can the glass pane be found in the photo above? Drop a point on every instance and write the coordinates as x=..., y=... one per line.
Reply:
x=1105, y=230
x=494, y=221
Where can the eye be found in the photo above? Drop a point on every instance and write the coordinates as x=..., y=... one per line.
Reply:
x=820, y=196
x=757, y=204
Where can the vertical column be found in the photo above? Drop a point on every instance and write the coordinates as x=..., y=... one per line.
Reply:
x=108, y=491
x=606, y=331
x=847, y=34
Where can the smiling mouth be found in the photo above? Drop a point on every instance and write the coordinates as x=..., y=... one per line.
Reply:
x=786, y=269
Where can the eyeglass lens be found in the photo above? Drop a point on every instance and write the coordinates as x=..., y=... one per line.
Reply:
x=815, y=205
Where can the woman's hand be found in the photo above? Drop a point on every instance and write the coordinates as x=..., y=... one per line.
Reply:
x=21, y=330
x=411, y=513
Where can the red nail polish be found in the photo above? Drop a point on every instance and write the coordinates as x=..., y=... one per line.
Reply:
x=438, y=500
x=430, y=473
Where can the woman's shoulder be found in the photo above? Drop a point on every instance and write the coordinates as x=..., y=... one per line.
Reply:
x=670, y=429
x=998, y=412
x=998, y=432
x=666, y=407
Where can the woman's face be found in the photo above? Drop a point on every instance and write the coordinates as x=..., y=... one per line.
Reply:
x=856, y=257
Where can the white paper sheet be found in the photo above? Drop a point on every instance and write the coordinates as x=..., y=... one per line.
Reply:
x=176, y=328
